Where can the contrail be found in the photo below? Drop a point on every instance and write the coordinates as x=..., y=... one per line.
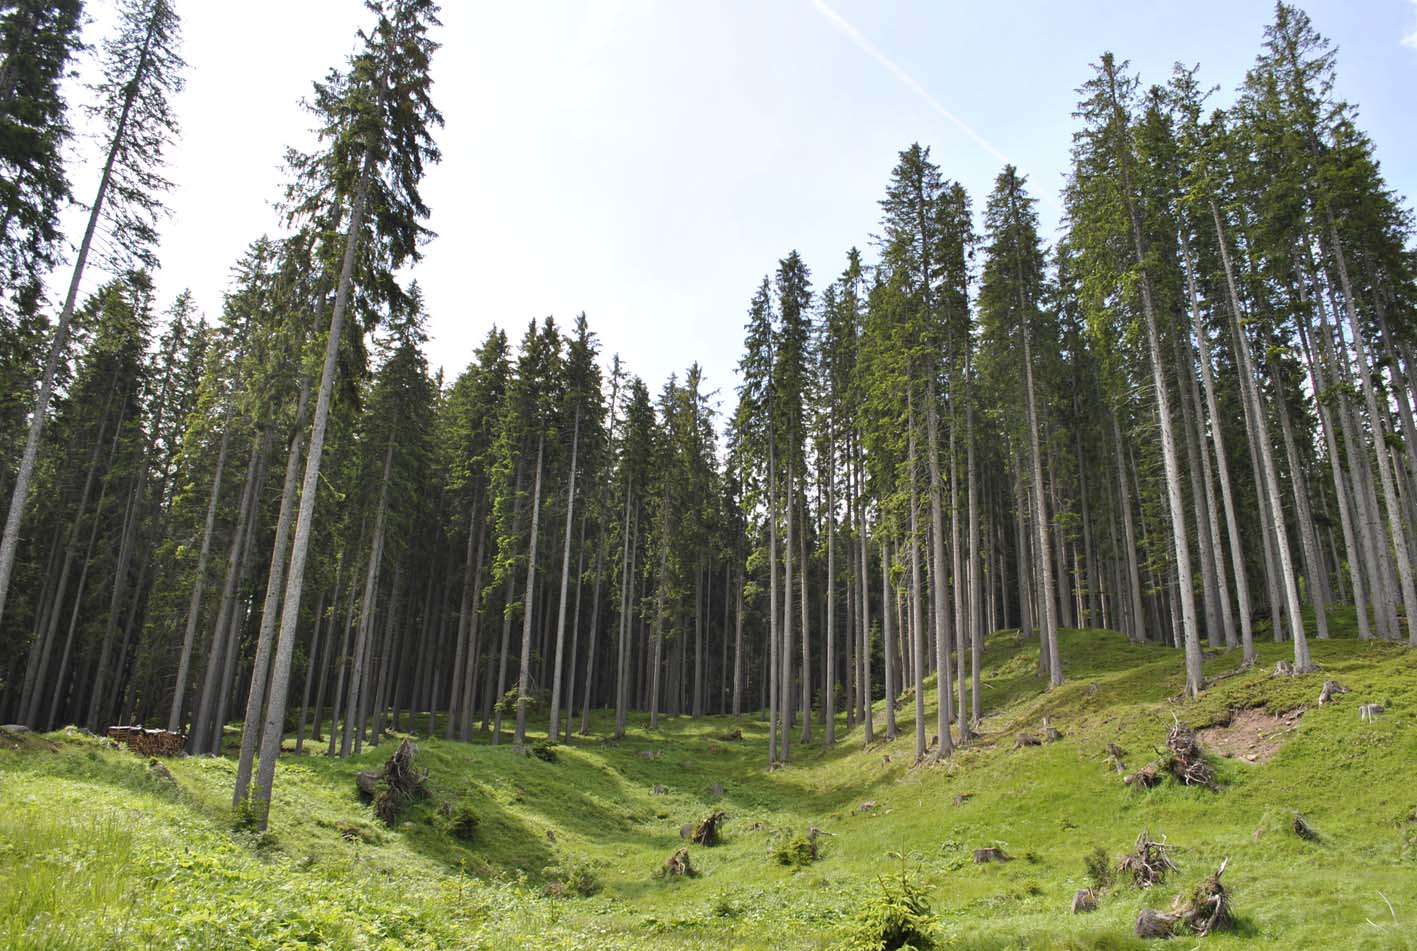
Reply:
x=854, y=35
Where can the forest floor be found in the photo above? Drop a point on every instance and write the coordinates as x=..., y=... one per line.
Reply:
x=100, y=850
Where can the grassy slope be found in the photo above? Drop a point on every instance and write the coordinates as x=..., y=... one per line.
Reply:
x=97, y=852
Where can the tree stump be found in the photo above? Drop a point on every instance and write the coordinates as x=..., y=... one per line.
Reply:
x=1084, y=901
x=1331, y=689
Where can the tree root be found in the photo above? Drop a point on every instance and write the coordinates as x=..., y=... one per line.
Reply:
x=1148, y=863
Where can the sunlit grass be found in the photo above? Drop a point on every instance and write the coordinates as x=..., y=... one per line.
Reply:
x=97, y=852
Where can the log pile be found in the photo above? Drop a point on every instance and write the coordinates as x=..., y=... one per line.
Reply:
x=149, y=742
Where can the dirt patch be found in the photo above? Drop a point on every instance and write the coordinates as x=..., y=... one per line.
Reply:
x=1251, y=735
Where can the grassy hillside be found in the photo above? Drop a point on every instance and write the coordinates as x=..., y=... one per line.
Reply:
x=98, y=850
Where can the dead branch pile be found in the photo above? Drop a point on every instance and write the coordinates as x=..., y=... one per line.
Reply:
x=395, y=786
x=1209, y=907
x=1207, y=910
x=1185, y=761
x=707, y=831
x=679, y=866
x=1148, y=863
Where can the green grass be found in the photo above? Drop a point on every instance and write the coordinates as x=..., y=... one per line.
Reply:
x=98, y=852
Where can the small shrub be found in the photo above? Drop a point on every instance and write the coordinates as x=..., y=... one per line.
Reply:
x=572, y=876
x=725, y=907
x=898, y=918
x=795, y=851
x=463, y=824
x=1099, y=868
x=245, y=817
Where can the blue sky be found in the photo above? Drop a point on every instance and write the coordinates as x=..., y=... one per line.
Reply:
x=648, y=162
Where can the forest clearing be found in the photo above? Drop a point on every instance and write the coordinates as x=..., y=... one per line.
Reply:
x=1041, y=577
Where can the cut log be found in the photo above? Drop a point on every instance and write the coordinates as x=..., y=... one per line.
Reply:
x=1155, y=924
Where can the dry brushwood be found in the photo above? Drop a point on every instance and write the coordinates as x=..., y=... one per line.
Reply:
x=991, y=854
x=1148, y=863
x=1144, y=778
x=1209, y=907
x=1084, y=900
x=707, y=832
x=1331, y=689
x=679, y=866
x=395, y=786
x=1186, y=763
x=1026, y=739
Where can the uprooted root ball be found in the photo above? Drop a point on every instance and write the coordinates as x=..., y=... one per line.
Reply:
x=1148, y=863
x=708, y=832
x=395, y=786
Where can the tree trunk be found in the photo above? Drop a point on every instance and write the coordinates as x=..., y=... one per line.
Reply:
x=917, y=620
x=1247, y=385
x=199, y=582
x=555, y=725
x=524, y=670
x=274, y=726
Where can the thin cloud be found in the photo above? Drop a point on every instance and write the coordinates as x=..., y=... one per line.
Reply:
x=1410, y=39
x=845, y=28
